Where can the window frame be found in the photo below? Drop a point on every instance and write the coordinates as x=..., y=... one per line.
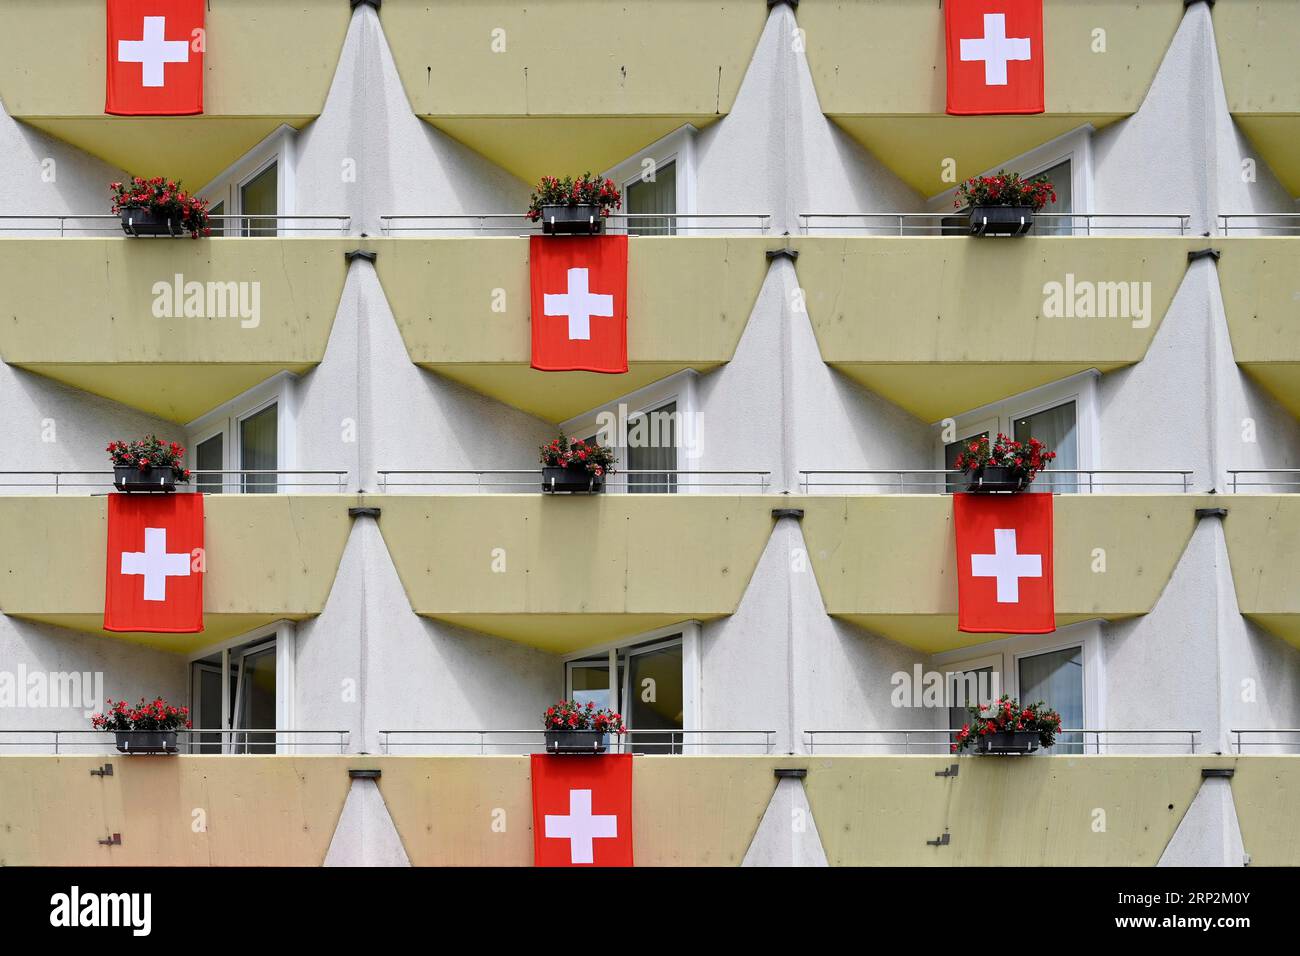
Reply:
x=284, y=634
x=677, y=147
x=279, y=149
x=227, y=418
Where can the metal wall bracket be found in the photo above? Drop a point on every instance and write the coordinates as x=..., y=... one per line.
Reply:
x=363, y=512
x=369, y=3
x=792, y=4
x=1208, y=773
x=114, y=840
x=942, y=841
x=1211, y=513
x=367, y=254
x=784, y=253
x=1188, y=3
x=364, y=774
x=950, y=772
x=797, y=773
x=1203, y=254
x=104, y=771
x=796, y=513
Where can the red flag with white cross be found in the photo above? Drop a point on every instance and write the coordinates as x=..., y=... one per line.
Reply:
x=995, y=56
x=579, y=303
x=155, y=57
x=582, y=810
x=1004, y=563
x=154, y=580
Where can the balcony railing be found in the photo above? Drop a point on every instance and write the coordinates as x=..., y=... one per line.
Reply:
x=1260, y=224
x=1069, y=742
x=227, y=226
x=1266, y=741
x=636, y=224
x=529, y=481
x=195, y=741
x=921, y=481
x=208, y=481
x=498, y=742
x=954, y=224
x=1288, y=481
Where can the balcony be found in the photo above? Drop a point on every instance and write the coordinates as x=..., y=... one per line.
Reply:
x=942, y=325
x=1260, y=534
x=267, y=305
x=283, y=811
x=689, y=298
x=511, y=81
x=254, y=82
x=880, y=73
x=1257, y=279
x=269, y=557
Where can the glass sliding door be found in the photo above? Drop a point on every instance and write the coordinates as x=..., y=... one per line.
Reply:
x=255, y=699
x=259, y=450
x=649, y=198
x=1056, y=678
x=258, y=197
x=652, y=446
x=655, y=699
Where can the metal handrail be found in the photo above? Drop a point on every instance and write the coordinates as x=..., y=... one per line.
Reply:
x=242, y=223
x=1234, y=472
x=1046, y=478
x=1240, y=743
x=910, y=223
x=60, y=737
x=535, y=739
x=340, y=478
x=1289, y=222
x=681, y=478
x=520, y=224
x=943, y=738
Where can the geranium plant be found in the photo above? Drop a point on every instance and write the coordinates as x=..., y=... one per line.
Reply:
x=585, y=190
x=571, y=715
x=1005, y=189
x=563, y=452
x=1024, y=459
x=149, y=452
x=165, y=198
x=1007, y=716
x=155, y=715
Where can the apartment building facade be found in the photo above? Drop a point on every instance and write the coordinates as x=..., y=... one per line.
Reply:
x=770, y=578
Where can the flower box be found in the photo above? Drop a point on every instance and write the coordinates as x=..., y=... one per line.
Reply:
x=576, y=742
x=1012, y=742
x=997, y=478
x=583, y=219
x=152, y=478
x=1001, y=220
x=138, y=221
x=573, y=480
x=146, y=741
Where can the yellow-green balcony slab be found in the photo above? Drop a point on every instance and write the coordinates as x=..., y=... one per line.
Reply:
x=1261, y=301
x=1262, y=532
x=887, y=563
x=267, y=63
x=269, y=557
x=523, y=85
x=880, y=72
x=507, y=565
x=869, y=810
x=941, y=325
x=87, y=313
x=1257, y=43
x=462, y=306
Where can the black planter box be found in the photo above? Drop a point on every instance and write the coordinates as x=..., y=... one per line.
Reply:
x=575, y=480
x=1012, y=742
x=146, y=741
x=126, y=478
x=581, y=220
x=1001, y=220
x=576, y=742
x=138, y=221
x=996, y=478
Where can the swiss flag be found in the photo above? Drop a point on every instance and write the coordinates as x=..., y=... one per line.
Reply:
x=155, y=58
x=995, y=56
x=1004, y=563
x=155, y=563
x=579, y=303
x=582, y=810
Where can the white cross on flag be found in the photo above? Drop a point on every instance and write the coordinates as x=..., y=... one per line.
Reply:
x=995, y=56
x=154, y=569
x=582, y=810
x=155, y=57
x=579, y=303
x=1004, y=563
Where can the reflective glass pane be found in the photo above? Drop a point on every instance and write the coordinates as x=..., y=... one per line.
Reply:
x=258, y=450
x=1055, y=428
x=209, y=455
x=655, y=699
x=257, y=701
x=1056, y=678
x=652, y=446
x=257, y=197
x=658, y=196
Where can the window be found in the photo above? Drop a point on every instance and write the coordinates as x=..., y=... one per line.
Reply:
x=1063, y=671
x=251, y=433
x=1060, y=178
x=242, y=688
x=657, y=195
x=218, y=225
x=659, y=181
x=258, y=197
x=210, y=457
x=1061, y=415
x=258, y=449
x=255, y=189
